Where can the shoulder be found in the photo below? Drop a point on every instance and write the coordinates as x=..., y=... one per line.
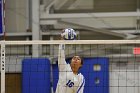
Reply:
x=81, y=76
x=82, y=79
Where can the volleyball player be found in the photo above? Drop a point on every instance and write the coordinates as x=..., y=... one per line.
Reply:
x=70, y=81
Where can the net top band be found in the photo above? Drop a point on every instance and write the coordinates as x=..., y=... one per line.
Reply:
x=71, y=42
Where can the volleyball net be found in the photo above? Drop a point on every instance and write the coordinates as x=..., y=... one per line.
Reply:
x=110, y=66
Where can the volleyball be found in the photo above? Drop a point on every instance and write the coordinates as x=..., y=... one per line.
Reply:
x=69, y=34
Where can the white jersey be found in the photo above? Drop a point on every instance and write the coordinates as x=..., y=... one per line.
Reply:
x=68, y=82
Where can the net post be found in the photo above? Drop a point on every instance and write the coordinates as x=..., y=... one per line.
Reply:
x=2, y=67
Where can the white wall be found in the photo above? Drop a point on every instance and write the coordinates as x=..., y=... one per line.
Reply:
x=124, y=79
x=16, y=15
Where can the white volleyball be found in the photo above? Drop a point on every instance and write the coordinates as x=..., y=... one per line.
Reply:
x=69, y=34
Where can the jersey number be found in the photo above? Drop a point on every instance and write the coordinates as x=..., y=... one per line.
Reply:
x=70, y=83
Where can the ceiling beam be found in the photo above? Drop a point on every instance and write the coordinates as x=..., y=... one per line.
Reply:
x=45, y=15
x=67, y=4
x=103, y=31
x=48, y=22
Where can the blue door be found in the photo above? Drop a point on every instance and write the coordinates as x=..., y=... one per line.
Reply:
x=96, y=73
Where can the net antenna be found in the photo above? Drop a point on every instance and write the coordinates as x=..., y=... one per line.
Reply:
x=2, y=68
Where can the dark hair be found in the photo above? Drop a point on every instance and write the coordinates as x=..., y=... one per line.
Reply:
x=70, y=58
x=82, y=60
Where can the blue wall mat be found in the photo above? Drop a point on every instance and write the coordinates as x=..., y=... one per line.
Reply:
x=96, y=81
x=36, y=76
x=96, y=72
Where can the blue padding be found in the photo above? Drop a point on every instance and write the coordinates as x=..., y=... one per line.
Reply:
x=36, y=76
x=90, y=75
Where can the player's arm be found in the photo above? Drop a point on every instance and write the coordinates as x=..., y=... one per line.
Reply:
x=61, y=57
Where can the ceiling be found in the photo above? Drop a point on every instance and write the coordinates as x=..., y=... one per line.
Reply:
x=94, y=19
